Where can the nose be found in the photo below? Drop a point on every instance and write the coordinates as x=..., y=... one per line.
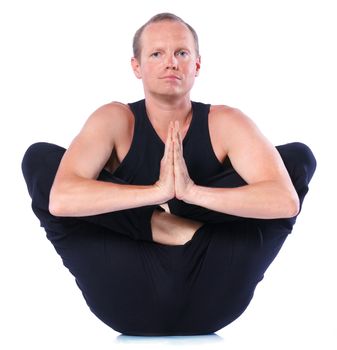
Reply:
x=171, y=62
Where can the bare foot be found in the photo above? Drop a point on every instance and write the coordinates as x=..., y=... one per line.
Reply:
x=171, y=229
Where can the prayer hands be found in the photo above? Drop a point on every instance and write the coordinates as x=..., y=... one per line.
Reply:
x=174, y=180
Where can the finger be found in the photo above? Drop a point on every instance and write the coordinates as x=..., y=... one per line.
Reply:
x=168, y=143
x=169, y=132
x=175, y=132
x=180, y=141
x=177, y=145
x=169, y=153
x=178, y=134
x=178, y=156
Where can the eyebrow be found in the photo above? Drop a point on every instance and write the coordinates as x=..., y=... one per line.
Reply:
x=184, y=49
x=162, y=49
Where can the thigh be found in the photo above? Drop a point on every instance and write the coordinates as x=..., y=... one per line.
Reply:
x=224, y=265
x=39, y=166
x=109, y=270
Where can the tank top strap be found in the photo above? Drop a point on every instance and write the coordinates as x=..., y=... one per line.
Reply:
x=198, y=151
x=141, y=164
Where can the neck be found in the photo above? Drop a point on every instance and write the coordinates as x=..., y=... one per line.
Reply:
x=162, y=111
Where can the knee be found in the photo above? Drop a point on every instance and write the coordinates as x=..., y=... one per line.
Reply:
x=298, y=157
x=36, y=154
x=37, y=161
x=31, y=159
x=305, y=157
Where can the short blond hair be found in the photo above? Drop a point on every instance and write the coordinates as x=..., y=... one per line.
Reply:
x=165, y=16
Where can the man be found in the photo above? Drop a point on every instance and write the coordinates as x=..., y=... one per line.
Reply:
x=228, y=198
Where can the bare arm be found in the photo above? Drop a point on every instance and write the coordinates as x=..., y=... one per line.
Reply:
x=269, y=192
x=76, y=190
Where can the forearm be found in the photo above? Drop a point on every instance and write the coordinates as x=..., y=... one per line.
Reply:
x=86, y=197
x=264, y=200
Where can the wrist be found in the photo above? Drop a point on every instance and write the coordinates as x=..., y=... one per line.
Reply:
x=190, y=193
x=160, y=194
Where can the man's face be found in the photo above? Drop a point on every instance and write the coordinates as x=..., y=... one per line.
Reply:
x=168, y=62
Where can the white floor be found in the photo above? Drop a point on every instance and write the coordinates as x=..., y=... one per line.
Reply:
x=275, y=60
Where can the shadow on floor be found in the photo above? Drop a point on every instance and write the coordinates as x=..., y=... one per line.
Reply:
x=174, y=340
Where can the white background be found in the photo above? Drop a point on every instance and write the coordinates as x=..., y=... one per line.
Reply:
x=275, y=60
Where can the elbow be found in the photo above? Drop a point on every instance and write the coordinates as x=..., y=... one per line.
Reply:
x=56, y=205
x=55, y=209
x=293, y=206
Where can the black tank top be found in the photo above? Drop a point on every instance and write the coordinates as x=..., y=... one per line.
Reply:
x=142, y=163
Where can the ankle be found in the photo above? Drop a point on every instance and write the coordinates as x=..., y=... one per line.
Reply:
x=171, y=229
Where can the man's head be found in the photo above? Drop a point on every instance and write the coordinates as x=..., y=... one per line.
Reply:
x=166, y=56
x=137, y=45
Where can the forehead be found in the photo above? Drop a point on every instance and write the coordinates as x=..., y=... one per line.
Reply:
x=166, y=32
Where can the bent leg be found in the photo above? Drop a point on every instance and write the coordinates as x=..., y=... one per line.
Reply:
x=301, y=165
x=39, y=167
x=112, y=270
x=236, y=254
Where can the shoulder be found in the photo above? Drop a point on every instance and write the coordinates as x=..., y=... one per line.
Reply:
x=226, y=118
x=112, y=112
x=230, y=125
x=109, y=123
x=223, y=113
x=112, y=117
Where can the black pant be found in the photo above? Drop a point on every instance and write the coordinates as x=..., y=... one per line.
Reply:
x=140, y=287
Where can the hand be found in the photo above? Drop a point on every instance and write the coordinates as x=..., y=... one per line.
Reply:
x=182, y=181
x=165, y=184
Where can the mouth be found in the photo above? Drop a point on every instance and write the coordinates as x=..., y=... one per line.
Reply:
x=171, y=77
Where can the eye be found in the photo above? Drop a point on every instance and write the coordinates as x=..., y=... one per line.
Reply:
x=182, y=53
x=155, y=54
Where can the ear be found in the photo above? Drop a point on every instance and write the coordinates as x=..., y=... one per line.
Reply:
x=197, y=65
x=136, y=67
